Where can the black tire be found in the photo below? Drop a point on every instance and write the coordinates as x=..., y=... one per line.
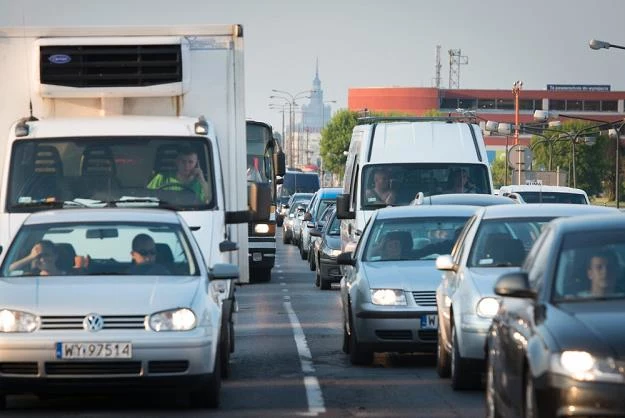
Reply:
x=311, y=261
x=285, y=238
x=317, y=278
x=260, y=275
x=3, y=401
x=530, y=409
x=443, y=359
x=208, y=395
x=357, y=354
x=225, y=340
x=303, y=254
x=491, y=401
x=462, y=374
x=345, y=347
x=324, y=284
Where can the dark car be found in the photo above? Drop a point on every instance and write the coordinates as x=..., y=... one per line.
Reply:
x=286, y=202
x=325, y=250
x=556, y=347
x=463, y=199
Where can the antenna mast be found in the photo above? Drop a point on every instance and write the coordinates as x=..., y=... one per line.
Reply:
x=437, y=68
x=455, y=60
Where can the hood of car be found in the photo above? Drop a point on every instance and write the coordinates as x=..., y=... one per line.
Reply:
x=593, y=326
x=483, y=279
x=333, y=242
x=411, y=275
x=123, y=295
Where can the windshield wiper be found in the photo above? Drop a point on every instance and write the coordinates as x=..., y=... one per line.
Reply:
x=142, y=202
x=51, y=204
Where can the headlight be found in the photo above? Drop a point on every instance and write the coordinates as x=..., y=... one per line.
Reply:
x=388, y=297
x=16, y=321
x=487, y=307
x=174, y=320
x=581, y=365
x=261, y=228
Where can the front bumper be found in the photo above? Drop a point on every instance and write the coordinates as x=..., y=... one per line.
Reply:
x=261, y=253
x=562, y=396
x=473, y=331
x=28, y=361
x=385, y=329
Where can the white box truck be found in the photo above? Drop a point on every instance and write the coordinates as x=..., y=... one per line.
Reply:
x=91, y=116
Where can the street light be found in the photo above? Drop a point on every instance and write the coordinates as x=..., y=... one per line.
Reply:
x=280, y=108
x=596, y=44
x=516, y=89
x=290, y=99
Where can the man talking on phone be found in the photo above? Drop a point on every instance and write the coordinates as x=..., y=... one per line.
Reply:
x=188, y=176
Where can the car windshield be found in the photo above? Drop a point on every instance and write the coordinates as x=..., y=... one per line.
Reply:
x=553, y=197
x=80, y=249
x=403, y=181
x=412, y=238
x=504, y=242
x=591, y=267
x=67, y=172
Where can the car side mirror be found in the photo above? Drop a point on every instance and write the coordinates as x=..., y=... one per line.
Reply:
x=445, y=263
x=515, y=285
x=307, y=216
x=346, y=259
x=223, y=271
x=227, y=246
x=315, y=233
x=342, y=207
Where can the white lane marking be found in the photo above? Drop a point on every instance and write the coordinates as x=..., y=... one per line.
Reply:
x=285, y=290
x=313, y=389
x=286, y=297
x=282, y=284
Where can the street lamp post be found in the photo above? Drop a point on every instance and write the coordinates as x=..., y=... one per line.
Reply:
x=291, y=100
x=516, y=89
x=281, y=109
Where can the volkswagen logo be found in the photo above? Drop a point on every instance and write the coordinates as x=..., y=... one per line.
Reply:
x=59, y=59
x=93, y=322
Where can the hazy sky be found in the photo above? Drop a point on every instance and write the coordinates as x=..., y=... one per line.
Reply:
x=382, y=43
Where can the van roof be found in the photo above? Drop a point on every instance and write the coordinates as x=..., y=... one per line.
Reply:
x=431, y=142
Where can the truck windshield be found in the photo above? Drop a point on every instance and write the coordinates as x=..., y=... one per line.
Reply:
x=176, y=172
x=399, y=183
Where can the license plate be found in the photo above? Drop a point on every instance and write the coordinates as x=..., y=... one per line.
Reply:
x=93, y=350
x=429, y=322
x=257, y=256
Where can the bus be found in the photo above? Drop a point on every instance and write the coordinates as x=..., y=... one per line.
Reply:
x=265, y=165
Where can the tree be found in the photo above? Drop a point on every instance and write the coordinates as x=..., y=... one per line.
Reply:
x=335, y=138
x=499, y=171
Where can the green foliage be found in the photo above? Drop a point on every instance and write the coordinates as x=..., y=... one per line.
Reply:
x=499, y=171
x=335, y=138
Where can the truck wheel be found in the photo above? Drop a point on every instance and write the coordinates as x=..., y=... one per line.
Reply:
x=207, y=396
x=260, y=275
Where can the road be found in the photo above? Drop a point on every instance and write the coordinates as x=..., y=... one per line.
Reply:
x=288, y=363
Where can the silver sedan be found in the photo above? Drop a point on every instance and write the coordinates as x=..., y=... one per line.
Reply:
x=388, y=291
x=495, y=241
x=109, y=298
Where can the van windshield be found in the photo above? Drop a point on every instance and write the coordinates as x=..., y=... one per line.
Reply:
x=399, y=183
x=176, y=172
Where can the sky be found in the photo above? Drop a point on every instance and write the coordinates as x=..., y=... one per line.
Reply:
x=380, y=43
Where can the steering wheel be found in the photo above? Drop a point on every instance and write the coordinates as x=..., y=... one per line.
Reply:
x=181, y=189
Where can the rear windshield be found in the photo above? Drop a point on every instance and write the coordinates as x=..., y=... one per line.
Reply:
x=300, y=183
x=553, y=197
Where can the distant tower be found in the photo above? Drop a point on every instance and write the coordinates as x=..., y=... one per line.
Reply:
x=455, y=60
x=316, y=113
x=437, y=68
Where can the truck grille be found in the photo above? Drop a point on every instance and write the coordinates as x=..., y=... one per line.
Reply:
x=58, y=323
x=110, y=65
x=424, y=298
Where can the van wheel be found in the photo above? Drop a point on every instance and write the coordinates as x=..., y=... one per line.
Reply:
x=260, y=275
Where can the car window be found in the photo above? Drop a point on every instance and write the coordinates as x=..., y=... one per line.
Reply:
x=102, y=249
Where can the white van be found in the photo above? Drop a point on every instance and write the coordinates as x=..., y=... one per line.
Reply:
x=538, y=193
x=415, y=155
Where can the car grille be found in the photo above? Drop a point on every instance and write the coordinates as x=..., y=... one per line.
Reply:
x=424, y=298
x=174, y=366
x=93, y=368
x=428, y=335
x=15, y=367
x=399, y=334
x=110, y=322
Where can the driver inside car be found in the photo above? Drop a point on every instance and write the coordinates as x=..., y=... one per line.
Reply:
x=188, y=176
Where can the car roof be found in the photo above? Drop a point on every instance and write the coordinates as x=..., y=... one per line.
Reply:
x=326, y=192
x=613, y=221
x=539, y=188
x=103, y=215
x=467, y=199
x=425, y=211
x=542, y=209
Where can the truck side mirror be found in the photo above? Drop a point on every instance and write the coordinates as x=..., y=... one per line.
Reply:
x=259, y=198
x=342, y=207
x=279, y=163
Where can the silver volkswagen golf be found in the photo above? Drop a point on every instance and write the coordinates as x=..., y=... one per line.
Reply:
x=109, y=298
x=388, y=290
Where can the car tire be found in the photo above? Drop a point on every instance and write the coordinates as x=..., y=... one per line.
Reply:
x=225, y=339
x=311, y=261
x=324, y=284
x=491, y=401
x=285, y=238
x=317, y=278
x=260, y=275
x=529, y=399
x=345, y=347
x=208, y=396
x=462, y=374
x=443, y=359
x=302, y=253
x=358, y=356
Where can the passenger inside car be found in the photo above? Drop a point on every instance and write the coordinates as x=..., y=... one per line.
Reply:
x=41, y=261
x=394, y=245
